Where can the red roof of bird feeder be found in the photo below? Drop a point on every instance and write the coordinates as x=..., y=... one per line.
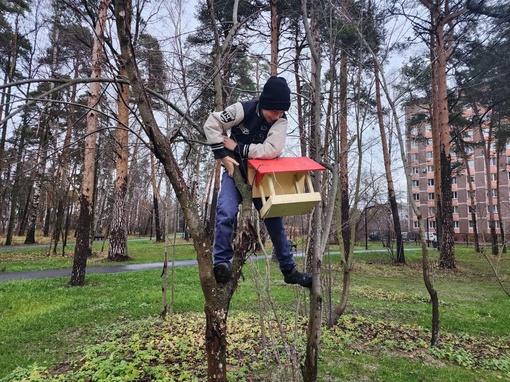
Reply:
x=279, y=165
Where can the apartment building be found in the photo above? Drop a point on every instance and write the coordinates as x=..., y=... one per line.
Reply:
x=472, y=190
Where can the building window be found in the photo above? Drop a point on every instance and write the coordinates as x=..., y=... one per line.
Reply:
x=496, y=225
x=471, y=209
x=431, y=196
x=470, y=194
x=416, y=224
x=432, y=224
x=414, y=156
x=494, y=209
x=494, y=193
x=456, y=224
x=416, y=183
x=492, y=161
x=416, y=170
x=431, y=211
x=428, y=128
x=469, y=134
x=429, y=155
x=454, y=195
x=430, y=182
x=493, y=177
x=471, y=225
x=429, y=141
x=416, y=197
x=471, y=163
x=456, y=209
x=414, y=131
x=454, y=180
x=414, y=143
x=430, y=168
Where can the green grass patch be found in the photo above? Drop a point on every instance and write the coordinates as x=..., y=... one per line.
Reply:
x=109, y=329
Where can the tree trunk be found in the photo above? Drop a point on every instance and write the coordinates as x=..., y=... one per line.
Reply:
x=118, y=250
x=441, y=139
x=400, y=259
x=425, y=256
x=155, y=203
x=34, y=206
x=44, y=128
x=6, y=100
x=157, y=220
x=344, y=158
x=310, y=367
x=83, y=248
x=498, y=204
x=438, y=186
x=299, y=100
x=217, y=297
x=63, y=171
x=472, y=206
x=275, y=34
x=47, y=219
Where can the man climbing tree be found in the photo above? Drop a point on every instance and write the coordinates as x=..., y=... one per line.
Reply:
x=258, y=129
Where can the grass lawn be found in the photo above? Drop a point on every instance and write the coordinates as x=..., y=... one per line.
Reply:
x=110, y=330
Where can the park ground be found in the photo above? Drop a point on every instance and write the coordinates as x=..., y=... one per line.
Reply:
x=111, y=329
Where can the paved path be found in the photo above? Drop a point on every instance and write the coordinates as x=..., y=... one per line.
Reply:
x=4, y=276
x=90, y=270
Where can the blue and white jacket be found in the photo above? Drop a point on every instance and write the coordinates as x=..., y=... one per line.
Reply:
x=256, y=138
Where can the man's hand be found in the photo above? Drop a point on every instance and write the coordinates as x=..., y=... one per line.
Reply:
x=229, y=143
x=229, y=164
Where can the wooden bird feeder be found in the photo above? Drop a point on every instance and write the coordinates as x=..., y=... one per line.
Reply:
x=284, y=185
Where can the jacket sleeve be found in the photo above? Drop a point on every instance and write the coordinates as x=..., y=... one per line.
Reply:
x=272, y=146
x=218, y=123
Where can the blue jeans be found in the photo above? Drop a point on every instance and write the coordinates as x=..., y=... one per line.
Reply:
x=226, y=215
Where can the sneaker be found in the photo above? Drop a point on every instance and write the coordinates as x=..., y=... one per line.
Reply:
x=296, y=277
x=222, y=272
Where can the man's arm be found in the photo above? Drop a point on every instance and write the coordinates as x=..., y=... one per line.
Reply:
x=272, y=146
x=218, y=123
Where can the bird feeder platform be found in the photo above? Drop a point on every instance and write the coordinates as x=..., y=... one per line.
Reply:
x=284, y=185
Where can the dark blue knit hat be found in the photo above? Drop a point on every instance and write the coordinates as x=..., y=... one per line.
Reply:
x=275, y=95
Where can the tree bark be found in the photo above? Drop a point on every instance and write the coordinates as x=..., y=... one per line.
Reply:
x=275, y=34
x=217, y=296
x=63, y=172
x=118, y=250
x=83, y=248
x=310, y=366
x=155, y=203
x=400, y=259
x=440, y=52
x=344, y=157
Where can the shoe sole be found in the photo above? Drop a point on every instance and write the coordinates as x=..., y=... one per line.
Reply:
x=222, y=274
